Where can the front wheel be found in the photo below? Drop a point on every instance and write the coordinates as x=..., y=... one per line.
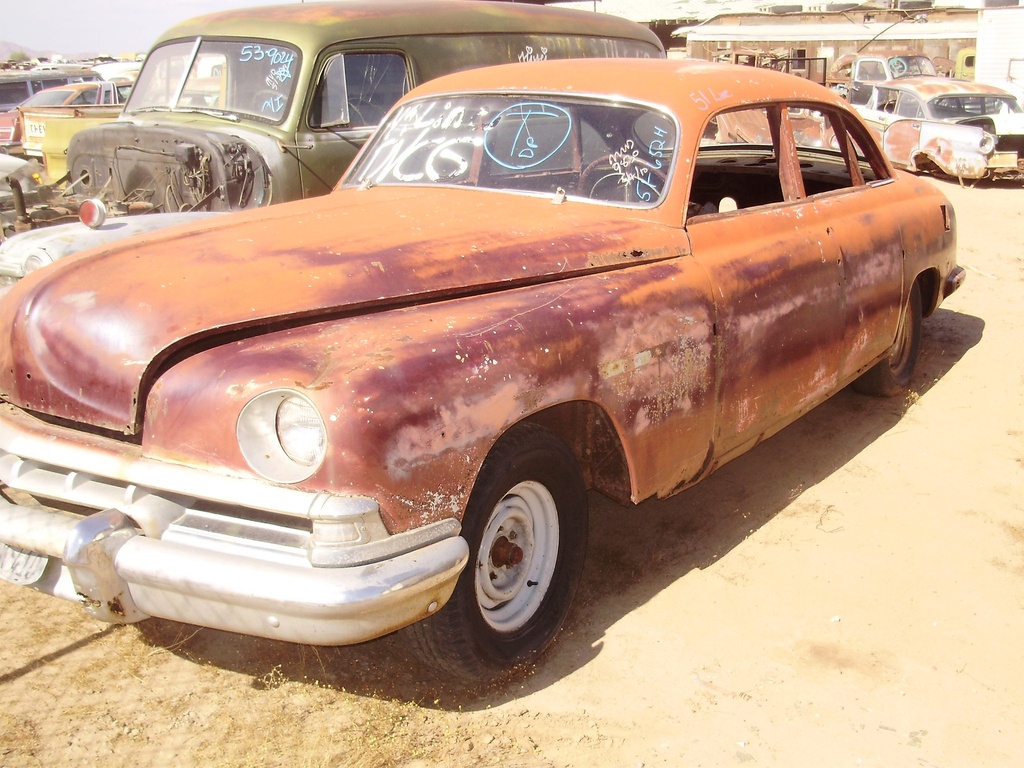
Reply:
x=891, y=376
x=526, y=524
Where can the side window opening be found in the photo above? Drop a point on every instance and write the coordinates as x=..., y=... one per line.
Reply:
x=872, y=70
x=768, y=155
x=357, y=89
x=84, y=97
x=861, y=151
x=908, y=106
x=737, y=166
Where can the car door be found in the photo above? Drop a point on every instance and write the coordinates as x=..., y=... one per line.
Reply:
x=850, y=186
x=775, y=272
x=902, y=132
x=354, y=90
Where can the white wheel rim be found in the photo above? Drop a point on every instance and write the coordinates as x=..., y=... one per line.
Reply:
x=517, y=557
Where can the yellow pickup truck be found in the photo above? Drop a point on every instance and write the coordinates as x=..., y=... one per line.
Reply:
x=47, y=129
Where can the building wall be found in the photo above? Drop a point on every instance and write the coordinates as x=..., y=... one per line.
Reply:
x=938, y=34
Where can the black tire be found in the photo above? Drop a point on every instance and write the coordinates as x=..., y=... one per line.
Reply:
x=529, y=502
x=891, y=376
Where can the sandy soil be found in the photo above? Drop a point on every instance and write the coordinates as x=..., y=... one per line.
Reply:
x=851, y=593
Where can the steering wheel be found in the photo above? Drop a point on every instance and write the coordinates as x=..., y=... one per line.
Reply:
x=627, y=185
x=898, y=67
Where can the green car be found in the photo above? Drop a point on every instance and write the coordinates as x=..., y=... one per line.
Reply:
x=245, y=108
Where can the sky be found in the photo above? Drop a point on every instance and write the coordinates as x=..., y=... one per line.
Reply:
x=101, y=26
x=114, y=27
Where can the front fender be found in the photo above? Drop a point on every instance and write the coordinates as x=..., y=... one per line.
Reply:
x=414, y=398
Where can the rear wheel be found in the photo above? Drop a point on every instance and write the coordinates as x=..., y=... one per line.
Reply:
x=891, y=376
x=526, y=524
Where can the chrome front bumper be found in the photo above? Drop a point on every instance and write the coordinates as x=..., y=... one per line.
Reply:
x=149, y=551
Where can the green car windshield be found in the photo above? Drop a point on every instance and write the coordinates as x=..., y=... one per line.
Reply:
x=585, y=148
x=250, y=78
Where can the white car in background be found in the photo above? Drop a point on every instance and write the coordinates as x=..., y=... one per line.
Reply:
x=954, y=127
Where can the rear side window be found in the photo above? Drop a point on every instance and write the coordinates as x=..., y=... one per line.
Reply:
x=908, y=106
x=871, y=70
x=52, y=82
x=14, y=93
x=771, y=154
x=85, y=97
x=357, y=89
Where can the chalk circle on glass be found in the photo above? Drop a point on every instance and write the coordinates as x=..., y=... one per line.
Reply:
x=525, y=135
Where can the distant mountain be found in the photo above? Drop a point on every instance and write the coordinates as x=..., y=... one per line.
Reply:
x=6, y=49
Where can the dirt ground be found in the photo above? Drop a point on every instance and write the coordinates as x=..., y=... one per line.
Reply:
x=850, y=593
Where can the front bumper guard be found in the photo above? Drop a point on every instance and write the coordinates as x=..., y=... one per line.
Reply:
x=953, y=281
x=119, y=575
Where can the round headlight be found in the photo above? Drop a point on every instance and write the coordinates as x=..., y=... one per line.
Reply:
x=282, y=435
x=301, y=431
x=35, y=260
x=988, y=143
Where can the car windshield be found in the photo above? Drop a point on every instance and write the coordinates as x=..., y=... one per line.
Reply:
x=584, y=148
x=909, y=66
x=972, y=105
x=251, y=78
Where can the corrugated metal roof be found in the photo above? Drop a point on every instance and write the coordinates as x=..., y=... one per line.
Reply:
x=846, y=30
x=656, y=10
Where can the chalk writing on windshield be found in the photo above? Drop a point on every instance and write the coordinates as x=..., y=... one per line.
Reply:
x=272, y=55
x=599, y=150
x=528, y=54
x=423, y=143
x=274, y=104
x=641, y=164
x=277, y=64
x=278, y=76
x=526, y=135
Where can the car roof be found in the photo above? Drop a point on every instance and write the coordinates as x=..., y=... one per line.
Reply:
x=314, y=25
x=681, y=85
x=46, y=74
x=931, y=87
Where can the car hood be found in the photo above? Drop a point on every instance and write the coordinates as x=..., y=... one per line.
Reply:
x=10, y=164
x=87, y=337
x=48, y=244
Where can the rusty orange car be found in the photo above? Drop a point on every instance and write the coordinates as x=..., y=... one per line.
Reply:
x=385, y=407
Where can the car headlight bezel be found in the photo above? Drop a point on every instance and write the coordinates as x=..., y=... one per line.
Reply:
x=282, y=435
x=36, y=259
